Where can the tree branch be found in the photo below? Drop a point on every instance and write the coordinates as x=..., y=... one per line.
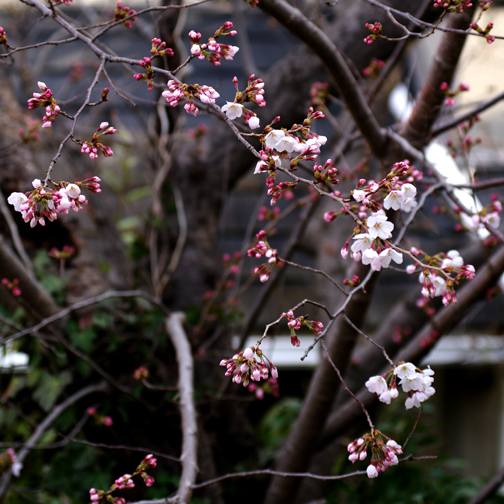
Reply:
x=42, y=427
x=295, y=21
x=189, y=455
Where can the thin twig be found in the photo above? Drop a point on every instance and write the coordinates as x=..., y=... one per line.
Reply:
x=43, y=426
x=338, y=312
x=313, y=270
x=377, y=345
x=82, y=304
x=414, y=427
x=360, y=403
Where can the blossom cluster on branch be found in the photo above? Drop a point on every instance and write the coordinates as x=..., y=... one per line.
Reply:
x=46, y=203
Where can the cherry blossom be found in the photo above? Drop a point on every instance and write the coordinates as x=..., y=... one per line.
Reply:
x=253, y=122
x=232, y=110
x=280, y=141
x=453, y=259
x=17, y=199
x=245, y=367
x=377, y=385
x=362, y=242
x=393, y=200
x=383, y=453
x=379, y=226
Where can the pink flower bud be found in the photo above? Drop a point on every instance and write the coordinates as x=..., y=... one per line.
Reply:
x=248, y=353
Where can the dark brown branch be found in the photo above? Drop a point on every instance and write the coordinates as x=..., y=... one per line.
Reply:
x=329, y=54
x=489, y=489
x=431, y=97
x=474, y=291
x=468, y=115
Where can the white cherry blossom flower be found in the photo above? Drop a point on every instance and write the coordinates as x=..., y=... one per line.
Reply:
x=72, y=190
x=253, y=122
x=493, y=219
x=454, y=259
x=371, y=471
x=261, y=164
x=377, y=384
x=362, y=242
x=408, y=204
x=408, y=190
x=405, y=369
x=389, y=254
x=379, y=226
x=372, y=258
x=393, y=200
x=232, y=110
x=358, y=195
x=17, y=199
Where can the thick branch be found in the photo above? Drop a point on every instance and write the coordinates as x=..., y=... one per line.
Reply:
x=299, y=447
x=189, y=455
x=324, y=48
x=442, y=322
x=33, y=293
x=431, y=98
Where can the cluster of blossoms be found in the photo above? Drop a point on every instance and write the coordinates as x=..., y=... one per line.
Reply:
x=213, y=51
x=318, y=94
x=158, y=48
x=375, y=30
x=370, y=247
x=270, y=386
x=43, y=202
x=12, y=286
x=261, y=249
x=326, y=173
x=450, y=95
x=295, y=323
x=9, y=459
x=398, y=186
x=95, y=145
x=123, y=13
x=415, y=382
x=244, y=366
x=178, y=90
x=31, y=133
x=231, y=263
x=283, y=189
x=125, y=481
x=253, y=93
x=285, y=142
x=280, y=144
x=487, y=215
x=453, y=6
x=374, y=68
x=102, y=420
x=45, y=99
x=484, y=31
x=383, y=453
x=141, y=373
x=435, y=276
x=468, y=142
x=266, y=214
x=61, y=255
x=3, y=37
